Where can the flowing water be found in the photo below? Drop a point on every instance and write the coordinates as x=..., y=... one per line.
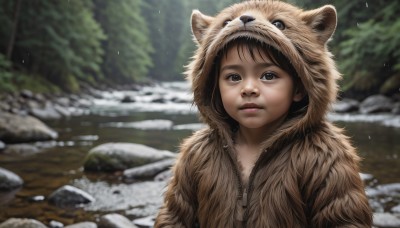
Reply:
x=61, y=162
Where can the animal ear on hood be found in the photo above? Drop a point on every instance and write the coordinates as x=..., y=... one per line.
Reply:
x=323, y=21
x=200, y=24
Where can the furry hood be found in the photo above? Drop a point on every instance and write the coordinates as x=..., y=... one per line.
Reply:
x=303, y=42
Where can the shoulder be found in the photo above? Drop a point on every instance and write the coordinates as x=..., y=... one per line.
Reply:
x=324, y=152
x=198, y=146
x=328, y=141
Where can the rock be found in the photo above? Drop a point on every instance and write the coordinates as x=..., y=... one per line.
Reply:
x=68, y=196
x=21, y=149
x=376, y=103
x=396, y=108
x=163, y=176
x=115, y=221
x=149, y=170
x=63, y=101
x=396, y=209
x=26, y=94
x=22, y=223
x=37, y=198
x=366, y=176
x=17, y=129
x=146, y=222
x=121, y=156
x=346, y=105
x=82, y=225
x=45, y=113
x=64, y=112
x=9, y=180
x=128, y=99
x=386, y=220
x=2, y=145
x=55, y=224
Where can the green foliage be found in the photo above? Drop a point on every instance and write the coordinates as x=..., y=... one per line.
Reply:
x=92, y=41
x=370, y=55
x=127, y=48
x=34, y=83
x=366, y=44
x=6, y=84
x=57, y=40
x=168, y=21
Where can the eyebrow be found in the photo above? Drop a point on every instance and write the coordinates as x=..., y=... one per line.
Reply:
x=238, y=67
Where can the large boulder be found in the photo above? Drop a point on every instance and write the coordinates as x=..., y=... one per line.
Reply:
x=22, y=223
x=17, y=129
x=121, y=156
x=9, y=180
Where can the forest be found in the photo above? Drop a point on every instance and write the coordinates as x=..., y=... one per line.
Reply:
x=60, y=46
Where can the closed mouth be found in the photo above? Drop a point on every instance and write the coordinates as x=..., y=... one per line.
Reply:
x=250, y=106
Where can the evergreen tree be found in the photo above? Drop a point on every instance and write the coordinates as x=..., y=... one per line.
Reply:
x=58, y=40
x=127, y=48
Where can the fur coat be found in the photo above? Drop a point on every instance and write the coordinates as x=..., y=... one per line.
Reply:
x=307, y=174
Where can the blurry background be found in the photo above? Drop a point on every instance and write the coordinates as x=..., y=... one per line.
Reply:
x=48, y=45
x=99, y=71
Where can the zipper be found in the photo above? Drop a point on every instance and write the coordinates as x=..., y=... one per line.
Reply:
x=251, y=186
x=245, y=194
x=242, y=193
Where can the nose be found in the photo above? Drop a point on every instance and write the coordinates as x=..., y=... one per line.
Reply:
x=246, y=18
x=250, y=89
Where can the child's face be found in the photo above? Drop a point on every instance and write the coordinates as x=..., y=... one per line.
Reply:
x=256, y=93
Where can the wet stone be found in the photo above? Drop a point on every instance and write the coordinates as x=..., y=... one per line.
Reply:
x=149, y=170
x=146, y=222
x=121, y=156
x=375, y=104
x=2, y=146
x=22, y=223
x=115, y=221
x=83, y=225
x=9, y=180
x=55, y=224
x=68, y=196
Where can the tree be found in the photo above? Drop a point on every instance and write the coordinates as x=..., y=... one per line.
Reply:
x=127, y=48
x=58, y=40
x=166, y=23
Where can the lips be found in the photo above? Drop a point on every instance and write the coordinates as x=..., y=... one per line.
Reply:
x=249, y=106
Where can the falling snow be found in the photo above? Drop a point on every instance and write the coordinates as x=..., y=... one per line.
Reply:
x=366, y=4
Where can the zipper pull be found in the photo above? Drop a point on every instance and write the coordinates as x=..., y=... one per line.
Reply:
x=244, y=198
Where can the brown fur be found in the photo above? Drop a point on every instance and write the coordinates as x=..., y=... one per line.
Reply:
x=307, y=175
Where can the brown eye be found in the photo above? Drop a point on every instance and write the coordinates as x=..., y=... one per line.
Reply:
x=279, y=24
x=226, y=22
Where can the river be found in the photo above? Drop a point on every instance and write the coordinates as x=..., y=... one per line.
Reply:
x=108, y=120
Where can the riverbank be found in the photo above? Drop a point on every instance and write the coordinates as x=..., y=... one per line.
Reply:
x=158, y=116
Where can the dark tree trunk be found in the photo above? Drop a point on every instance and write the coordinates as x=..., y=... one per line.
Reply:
x=14, y=29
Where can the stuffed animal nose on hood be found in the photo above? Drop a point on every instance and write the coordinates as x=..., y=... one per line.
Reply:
x=301, y=36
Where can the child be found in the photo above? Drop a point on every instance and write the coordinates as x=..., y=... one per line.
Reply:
x=263, y=80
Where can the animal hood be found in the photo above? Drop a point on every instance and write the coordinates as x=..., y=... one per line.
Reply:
x=303, y=42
